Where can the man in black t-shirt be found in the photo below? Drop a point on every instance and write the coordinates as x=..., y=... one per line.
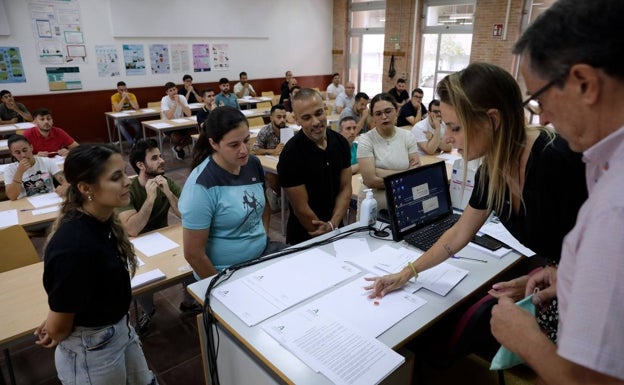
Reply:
x=399, y=93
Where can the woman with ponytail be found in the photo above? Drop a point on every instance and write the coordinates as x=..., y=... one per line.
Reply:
x=88, y=264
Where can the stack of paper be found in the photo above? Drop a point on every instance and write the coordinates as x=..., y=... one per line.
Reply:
x=153, y=244
x=43, y=200
x=145, y=278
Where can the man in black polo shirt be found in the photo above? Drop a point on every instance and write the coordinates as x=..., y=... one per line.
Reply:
x=413, y=111
x=399, y=93
x=315, y=171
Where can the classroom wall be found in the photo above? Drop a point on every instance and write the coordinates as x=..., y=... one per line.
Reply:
x=298, y=36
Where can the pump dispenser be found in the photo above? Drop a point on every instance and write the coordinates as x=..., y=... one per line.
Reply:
x=368, y=209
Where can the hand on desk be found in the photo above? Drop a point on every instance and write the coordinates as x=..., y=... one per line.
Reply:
x=514, y=289
x=43, y=339
x=278, y=150
x=321, y=228
x=388, y=283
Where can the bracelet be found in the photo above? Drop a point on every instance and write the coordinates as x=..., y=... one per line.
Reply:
x=331, y=225
x=411, y=265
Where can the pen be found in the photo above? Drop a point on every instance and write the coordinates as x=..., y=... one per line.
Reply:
x=470, y=259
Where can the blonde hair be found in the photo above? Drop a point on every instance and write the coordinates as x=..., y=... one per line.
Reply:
x=472, y=92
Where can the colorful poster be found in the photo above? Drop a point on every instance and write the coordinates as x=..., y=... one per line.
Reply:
x=180, y=58
x=159, y=58
x=57, y=28
x=134, y=59
x=64, y=78
x=11, y=68
x=107, y=60
x=201, y=58
x=220, y=57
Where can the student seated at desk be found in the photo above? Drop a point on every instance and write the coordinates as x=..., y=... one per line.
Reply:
x=224, y=212
x=11, y=111
x=225, y=97
x=174, y=106
x=31, y=175
x=46, y=139
x=413, y=111
x=243, y=87
x=188, y=91
x=208, y=97
x=429, y=132
x=528, y=176
x=88, y=263
x=122, y=100
x=290, y=117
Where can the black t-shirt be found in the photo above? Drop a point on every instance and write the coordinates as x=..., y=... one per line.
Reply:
x=554, y=190
x=400, y=98
x=407, y=110
x=83, y=273
x=202, y=115
x=191, y=97
x=284, y=92
x=303, y=163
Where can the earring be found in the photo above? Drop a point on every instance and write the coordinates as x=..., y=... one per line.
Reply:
x=89, y=197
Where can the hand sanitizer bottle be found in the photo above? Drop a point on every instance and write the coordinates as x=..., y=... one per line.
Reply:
x=368, y=209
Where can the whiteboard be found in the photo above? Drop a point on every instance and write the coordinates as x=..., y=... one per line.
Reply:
x=191, y=18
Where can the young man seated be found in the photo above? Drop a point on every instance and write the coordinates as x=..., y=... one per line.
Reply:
x=46, y=139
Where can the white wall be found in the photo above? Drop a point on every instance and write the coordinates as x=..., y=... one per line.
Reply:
x=299, y=39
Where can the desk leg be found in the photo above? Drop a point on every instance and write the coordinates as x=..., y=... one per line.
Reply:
x=160, y=140
x=119, y=137
x=110, y=136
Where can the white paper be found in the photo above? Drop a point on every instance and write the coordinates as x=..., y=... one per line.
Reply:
x=4, y=143
x=350, y=304
x=277, y=287
x=120, y=114
x=248, y=112
x=7, y=128
x=139, y=262
x=498, y=231
x=147, y=277
x=46, y=210
x=8, y=218
x=148, y=110
x=342, y=354
x=350, y=248
x=161, y=125
x=24, y=125
x=196, y=105
x=286, y=133
x=192, y=117
x=43, y=200
x=153, y=244
x=180, y=120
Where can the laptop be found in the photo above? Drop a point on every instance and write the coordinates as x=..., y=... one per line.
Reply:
x=419, y=205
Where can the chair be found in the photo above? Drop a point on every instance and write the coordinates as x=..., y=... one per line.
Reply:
x=17, y=249
x=255, y=122
x=263, y=105
x=153, y=105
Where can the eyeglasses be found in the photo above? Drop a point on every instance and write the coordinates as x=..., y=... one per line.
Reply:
x=532, y=104
x=386, y=111
x=437, y=112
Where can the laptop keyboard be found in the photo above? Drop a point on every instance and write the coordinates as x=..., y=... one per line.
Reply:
x=425, y=238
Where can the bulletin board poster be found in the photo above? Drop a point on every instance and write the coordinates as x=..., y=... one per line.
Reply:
x=201, y=58
x=58, y=31
x=107, y=61
x=180, y=58
x=64, y=78
x=220, y=57
x=159, y=58
x=11, y=67
x=134, y=59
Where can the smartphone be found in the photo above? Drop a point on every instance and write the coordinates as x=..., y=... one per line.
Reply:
x=487, y=242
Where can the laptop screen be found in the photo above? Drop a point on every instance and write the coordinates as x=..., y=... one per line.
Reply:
x=417, y=197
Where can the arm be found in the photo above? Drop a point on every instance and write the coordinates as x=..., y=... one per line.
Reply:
x=64, y=151
x=239, y=91
x=168, y=113
x=13, y=183
x=185, y=107
x=415, y=118
x=298, y=197
x=363, y=122
x=54, y=329
x=133, y=102
x=355, y=168
x=163, y=185
x=343, y=198
x=453, y=240
x=372, y=176
x=134, y=222
x=61, y=190
x=267, y=151
x=252, y=92
x=23, y=113
x=194, y=245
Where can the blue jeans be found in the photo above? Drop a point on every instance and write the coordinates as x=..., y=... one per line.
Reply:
x=123, y=127
x=108, y=355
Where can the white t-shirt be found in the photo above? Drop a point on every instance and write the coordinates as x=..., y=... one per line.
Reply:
x=343, y=101
x=336, y=90
x=420, y=130
x=239, y=86
x=37, y=179
x=166, y=104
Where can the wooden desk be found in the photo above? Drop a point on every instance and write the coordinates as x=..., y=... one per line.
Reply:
x=252, y=100
x=25, y=216
x=163, y=125
x=24, y=302
x=259, y=112
x=244, y=350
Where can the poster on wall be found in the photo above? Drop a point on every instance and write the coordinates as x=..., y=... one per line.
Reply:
x=58, y=31
x=64, y=78
x=159, y=58
x=107, y=61
x=220, y=57
x=201, y=58
x=180, y=58
x=134, y=59
x=11, y=67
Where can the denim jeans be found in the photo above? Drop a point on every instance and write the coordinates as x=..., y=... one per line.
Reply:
x=109, y=355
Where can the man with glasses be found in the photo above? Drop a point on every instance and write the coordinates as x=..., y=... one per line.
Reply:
x=429, y=132
x=414, y=111
x=571, y=62
x=345, y=99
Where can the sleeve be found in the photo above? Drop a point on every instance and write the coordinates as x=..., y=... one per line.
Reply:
x=181, y=91
x=115, y=98
x=184, y=101
x=164, y=106
x=238, y=87
x=174, y=187
x=340, y=101
x=23, y=108
x=478, y=198
x=50, y=165
x=410, y=142
x=418, y=133
x=260, y=141
x=9, y=173
x=197, y=205
x=251, y=88
x=66, y=140
x=133, y=97
x=290, y=165
x=365, y=147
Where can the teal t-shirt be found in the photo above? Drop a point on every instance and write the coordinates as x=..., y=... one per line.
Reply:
x=354, y=153
x=230, y=207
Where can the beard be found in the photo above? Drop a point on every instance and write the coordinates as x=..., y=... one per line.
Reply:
x=153, y=173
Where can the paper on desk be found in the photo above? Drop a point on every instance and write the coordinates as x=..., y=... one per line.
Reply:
x=448, y=158
x=7, y=127
x=266, y=292
x=147, y=277
x=248, y=112
x=342, y=354
x=350, y=304
x=4, y=143
x=196, y=105
x=148, y=110
x=286, y=133
x=350, y=248
x=46, y=210
x=180, y=120
x=162, y=125
x=153, y=244
x=120, y=114
x=42, y=200
x=139, y=261
x=498, y=231
x=192, y=117
x=8, y=218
